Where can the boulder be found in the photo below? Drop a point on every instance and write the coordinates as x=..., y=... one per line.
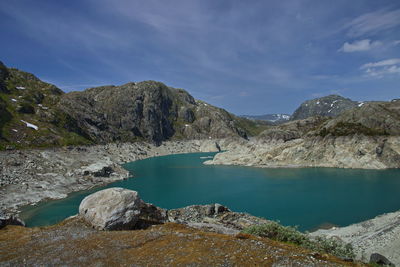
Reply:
x=379, y=259
x=9, y=219
x=104, y=172
x=112, y=209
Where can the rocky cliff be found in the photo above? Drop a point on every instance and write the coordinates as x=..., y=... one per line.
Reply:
x=327, y=106
x=37, y=114
x=147, y=110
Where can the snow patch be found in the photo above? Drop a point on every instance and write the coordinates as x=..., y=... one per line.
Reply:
x=186, y=125
x=30, y=125
x=360, y=104
x=20, y=88
x=318, y=103
x=15, y=130
x=14, y=100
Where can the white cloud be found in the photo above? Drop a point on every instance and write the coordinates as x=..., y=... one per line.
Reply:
x=373, y=22
x=382, y=68
x=360, y=45
x=387, y=62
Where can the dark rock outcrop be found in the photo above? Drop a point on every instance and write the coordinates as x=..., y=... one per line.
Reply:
x=379, y=259
x=3, y=76
x=9, y=219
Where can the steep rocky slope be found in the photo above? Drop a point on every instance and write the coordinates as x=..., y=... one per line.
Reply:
x=28, y=113
x=327, y=106
x=37, y=114
x=147, y=110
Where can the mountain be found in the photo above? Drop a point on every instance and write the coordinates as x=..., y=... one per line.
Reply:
x=366, y=136
x=147, y=110
x=327, y=106
x=275, y=118
x=28, y=113
x=371, y=118
x=37, y=114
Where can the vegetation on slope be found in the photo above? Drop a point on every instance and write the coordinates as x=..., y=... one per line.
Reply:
x=37, y=114
x=291, y=235
x=74, y=244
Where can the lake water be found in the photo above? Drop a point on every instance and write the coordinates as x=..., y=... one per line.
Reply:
x=306, y=197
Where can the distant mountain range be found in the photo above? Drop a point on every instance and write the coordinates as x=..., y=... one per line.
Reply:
x=275, y=118
x=327, y=106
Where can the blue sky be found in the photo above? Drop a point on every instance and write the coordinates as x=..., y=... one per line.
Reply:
x=249, y=57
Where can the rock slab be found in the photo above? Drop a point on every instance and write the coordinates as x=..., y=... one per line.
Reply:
x=112, y=209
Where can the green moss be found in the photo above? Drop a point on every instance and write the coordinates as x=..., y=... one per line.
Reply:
x=291, y=235
x=347, y=128
x=5, y=116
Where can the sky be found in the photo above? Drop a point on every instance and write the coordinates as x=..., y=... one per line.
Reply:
x=249, y=57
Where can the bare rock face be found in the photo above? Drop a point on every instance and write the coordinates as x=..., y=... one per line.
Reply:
x=146, y=110
x=327, y=106
x=112, y=209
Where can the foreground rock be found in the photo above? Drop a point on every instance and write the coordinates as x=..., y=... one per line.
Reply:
x=379, y=235
x=122, y=209
x=112, y=209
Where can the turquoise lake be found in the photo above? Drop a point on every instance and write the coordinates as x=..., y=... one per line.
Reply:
x=306, y=197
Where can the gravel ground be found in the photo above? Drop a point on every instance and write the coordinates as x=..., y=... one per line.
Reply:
x=29, y=176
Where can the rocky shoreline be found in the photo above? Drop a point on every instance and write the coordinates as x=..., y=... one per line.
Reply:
x=378, y=235
x=29, y=176
x=357, y=151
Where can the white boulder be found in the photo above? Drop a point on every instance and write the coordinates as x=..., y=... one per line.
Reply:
x=112, y=209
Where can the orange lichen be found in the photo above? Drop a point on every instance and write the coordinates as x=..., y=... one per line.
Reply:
x=74, y=243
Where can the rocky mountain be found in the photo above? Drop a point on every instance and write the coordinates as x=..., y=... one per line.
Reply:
x=147, y=110
x=274, y=118
x=28, y=113
x=367, y=137
x=36, y=114
x=372, y=118
x=327, y=106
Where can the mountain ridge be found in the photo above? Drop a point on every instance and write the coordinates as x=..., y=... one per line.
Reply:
x=38, y=114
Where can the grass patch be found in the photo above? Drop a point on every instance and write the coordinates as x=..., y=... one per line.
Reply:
x=288, y=234
x=252, y=128
x=348, y=128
